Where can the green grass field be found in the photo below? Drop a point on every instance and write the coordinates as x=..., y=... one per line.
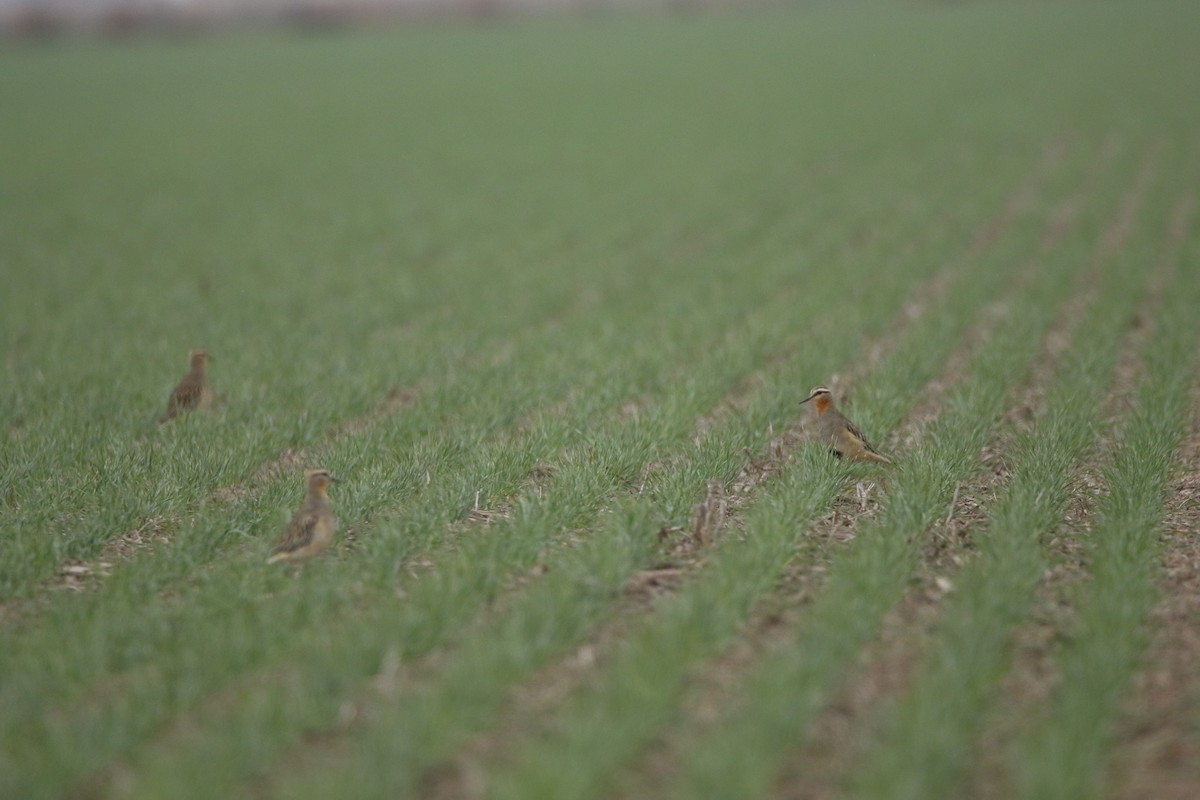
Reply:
x=545, y=294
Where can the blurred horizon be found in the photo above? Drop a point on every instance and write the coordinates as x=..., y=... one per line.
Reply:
x=49, y=19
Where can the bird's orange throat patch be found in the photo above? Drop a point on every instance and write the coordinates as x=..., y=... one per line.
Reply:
x=822, y=403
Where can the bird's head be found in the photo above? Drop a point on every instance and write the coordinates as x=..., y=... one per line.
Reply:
x=822, y=398
x=198, y=357
x=318, y=480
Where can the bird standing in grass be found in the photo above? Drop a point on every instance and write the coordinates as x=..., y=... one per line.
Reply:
x=312, y=527
x=193, y=391
x=839, y=433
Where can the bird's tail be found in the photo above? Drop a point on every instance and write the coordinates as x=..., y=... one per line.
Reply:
x=871, y=455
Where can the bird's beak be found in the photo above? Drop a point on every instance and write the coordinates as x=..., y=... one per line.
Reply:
x=805, y=400
x=333, y=479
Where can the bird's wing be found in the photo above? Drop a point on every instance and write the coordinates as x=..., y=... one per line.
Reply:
x=300, y=532
x=857, y=434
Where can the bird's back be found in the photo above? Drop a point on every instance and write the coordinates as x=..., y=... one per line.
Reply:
x=845, y=439
x=309, y=532
x=190, y=393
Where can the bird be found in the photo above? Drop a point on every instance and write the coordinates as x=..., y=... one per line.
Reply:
x=193, y=390
x=312, y=526
x=839, y=433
